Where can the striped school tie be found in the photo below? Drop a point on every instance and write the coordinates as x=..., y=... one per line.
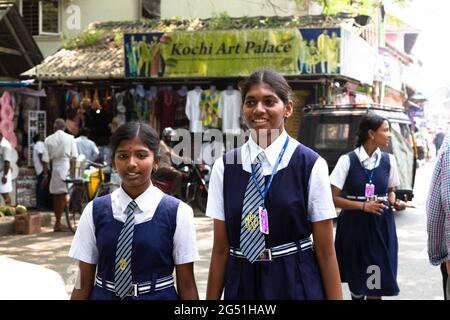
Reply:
x=122, y=273
x=252, y=239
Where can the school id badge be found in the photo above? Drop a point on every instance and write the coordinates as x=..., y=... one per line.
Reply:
x=263, y=220
x=370, y=190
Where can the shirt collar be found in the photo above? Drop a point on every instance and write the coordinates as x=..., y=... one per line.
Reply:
x=271, y=152
x=142, y=201
x=363, y=156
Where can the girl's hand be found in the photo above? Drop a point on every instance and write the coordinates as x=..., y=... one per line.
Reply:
x=399, y=205
x=374, y=207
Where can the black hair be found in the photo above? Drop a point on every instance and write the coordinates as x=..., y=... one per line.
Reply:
x=36, y=138
x=370, y=121
x=84, y=131
x=131, y=130
x=270, y=77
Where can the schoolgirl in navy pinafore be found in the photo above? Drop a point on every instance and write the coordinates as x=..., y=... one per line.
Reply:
x=295, y=276
x=366, y=244
x=152, y=258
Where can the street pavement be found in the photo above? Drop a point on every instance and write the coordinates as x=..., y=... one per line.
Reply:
x=417, y=278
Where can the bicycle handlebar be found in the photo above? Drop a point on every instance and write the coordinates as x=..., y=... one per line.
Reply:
x=96, y=164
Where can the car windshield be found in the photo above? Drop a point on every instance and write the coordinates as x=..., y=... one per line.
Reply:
x=331, y=135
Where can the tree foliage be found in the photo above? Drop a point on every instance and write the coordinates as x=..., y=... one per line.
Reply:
x=367, y=7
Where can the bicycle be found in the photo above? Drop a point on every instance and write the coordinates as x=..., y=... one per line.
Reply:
x=80, y=192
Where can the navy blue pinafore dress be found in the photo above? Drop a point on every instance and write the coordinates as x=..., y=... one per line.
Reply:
x=366, y=244
x=152, y=260
x=295, y=276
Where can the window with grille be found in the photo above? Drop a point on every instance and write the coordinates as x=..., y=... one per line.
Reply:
x=41, y=16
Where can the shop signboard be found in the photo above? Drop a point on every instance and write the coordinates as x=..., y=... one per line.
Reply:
x=306, y=51
x=211, y=53
x=320, y=51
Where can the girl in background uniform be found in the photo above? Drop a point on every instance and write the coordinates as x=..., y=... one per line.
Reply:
x=267, y=198
x=129, y=242
x=366, y=240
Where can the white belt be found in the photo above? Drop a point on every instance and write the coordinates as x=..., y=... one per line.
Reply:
x=278, y=251
x=138, y=288
x=383, y=197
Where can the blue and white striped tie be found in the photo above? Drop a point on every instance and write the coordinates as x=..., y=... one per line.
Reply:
x=252, y=239
x=122, y=273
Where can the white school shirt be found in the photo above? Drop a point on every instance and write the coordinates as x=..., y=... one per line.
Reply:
x=84, y=247
x=340, y=172
x=320, y=201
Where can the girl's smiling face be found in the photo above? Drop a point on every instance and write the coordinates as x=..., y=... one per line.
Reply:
x=263, y=110
x=134, y=162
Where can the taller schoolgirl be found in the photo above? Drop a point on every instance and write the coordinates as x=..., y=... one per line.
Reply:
x=129, y=242
x=267, y=198
x=366, y=240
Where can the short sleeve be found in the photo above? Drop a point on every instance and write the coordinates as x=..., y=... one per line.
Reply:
x=84, y=244
x=320, y=200
x=340, y=172
x=45, y=155
x=394, y=179
x=184, y=239
x=215, y=206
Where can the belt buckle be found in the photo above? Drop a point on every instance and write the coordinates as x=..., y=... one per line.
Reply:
x=265, y=255
x=134, y=290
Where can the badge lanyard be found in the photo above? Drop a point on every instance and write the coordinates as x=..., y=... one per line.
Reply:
x=263, y=215
x=263, y=194
x=370, y=187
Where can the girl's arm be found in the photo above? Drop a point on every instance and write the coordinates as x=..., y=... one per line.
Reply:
x=85, y=283
x=186, y=287
x=396, y=203
x=219, y=257
x=326, y=258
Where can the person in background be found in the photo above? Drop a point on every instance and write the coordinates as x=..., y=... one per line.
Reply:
x=439, y=139
x=166, y=170
x=438, y=215
x=59, y=148
x=42, y=194
x=366, y=235
x=5, y=171
x=86, y=146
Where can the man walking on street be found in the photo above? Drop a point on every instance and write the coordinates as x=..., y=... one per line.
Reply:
x=59, y=148
x=438, y=215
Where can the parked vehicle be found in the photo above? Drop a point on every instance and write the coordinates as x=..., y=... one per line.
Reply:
x=332, y=131
x=195, y=187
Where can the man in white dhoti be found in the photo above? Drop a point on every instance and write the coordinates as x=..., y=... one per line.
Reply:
x=59, y=148
x=5, y=171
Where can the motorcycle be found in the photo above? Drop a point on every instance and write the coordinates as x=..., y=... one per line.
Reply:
x=195, y=186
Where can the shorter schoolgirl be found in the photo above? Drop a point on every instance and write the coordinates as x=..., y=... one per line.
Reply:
x=362, y=185
x=129, y=242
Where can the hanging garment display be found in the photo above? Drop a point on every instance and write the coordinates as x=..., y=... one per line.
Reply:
x=230, y=110
x=165, y=107
x=151, y=96
x=209, y=106
x=192, y=109
x=7, y=115
x=180, y=114
x=140, y=108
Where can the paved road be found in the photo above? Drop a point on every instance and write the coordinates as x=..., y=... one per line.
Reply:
x=417, y=278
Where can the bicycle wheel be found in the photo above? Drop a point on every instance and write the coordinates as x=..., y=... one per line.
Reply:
x=77, y=200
